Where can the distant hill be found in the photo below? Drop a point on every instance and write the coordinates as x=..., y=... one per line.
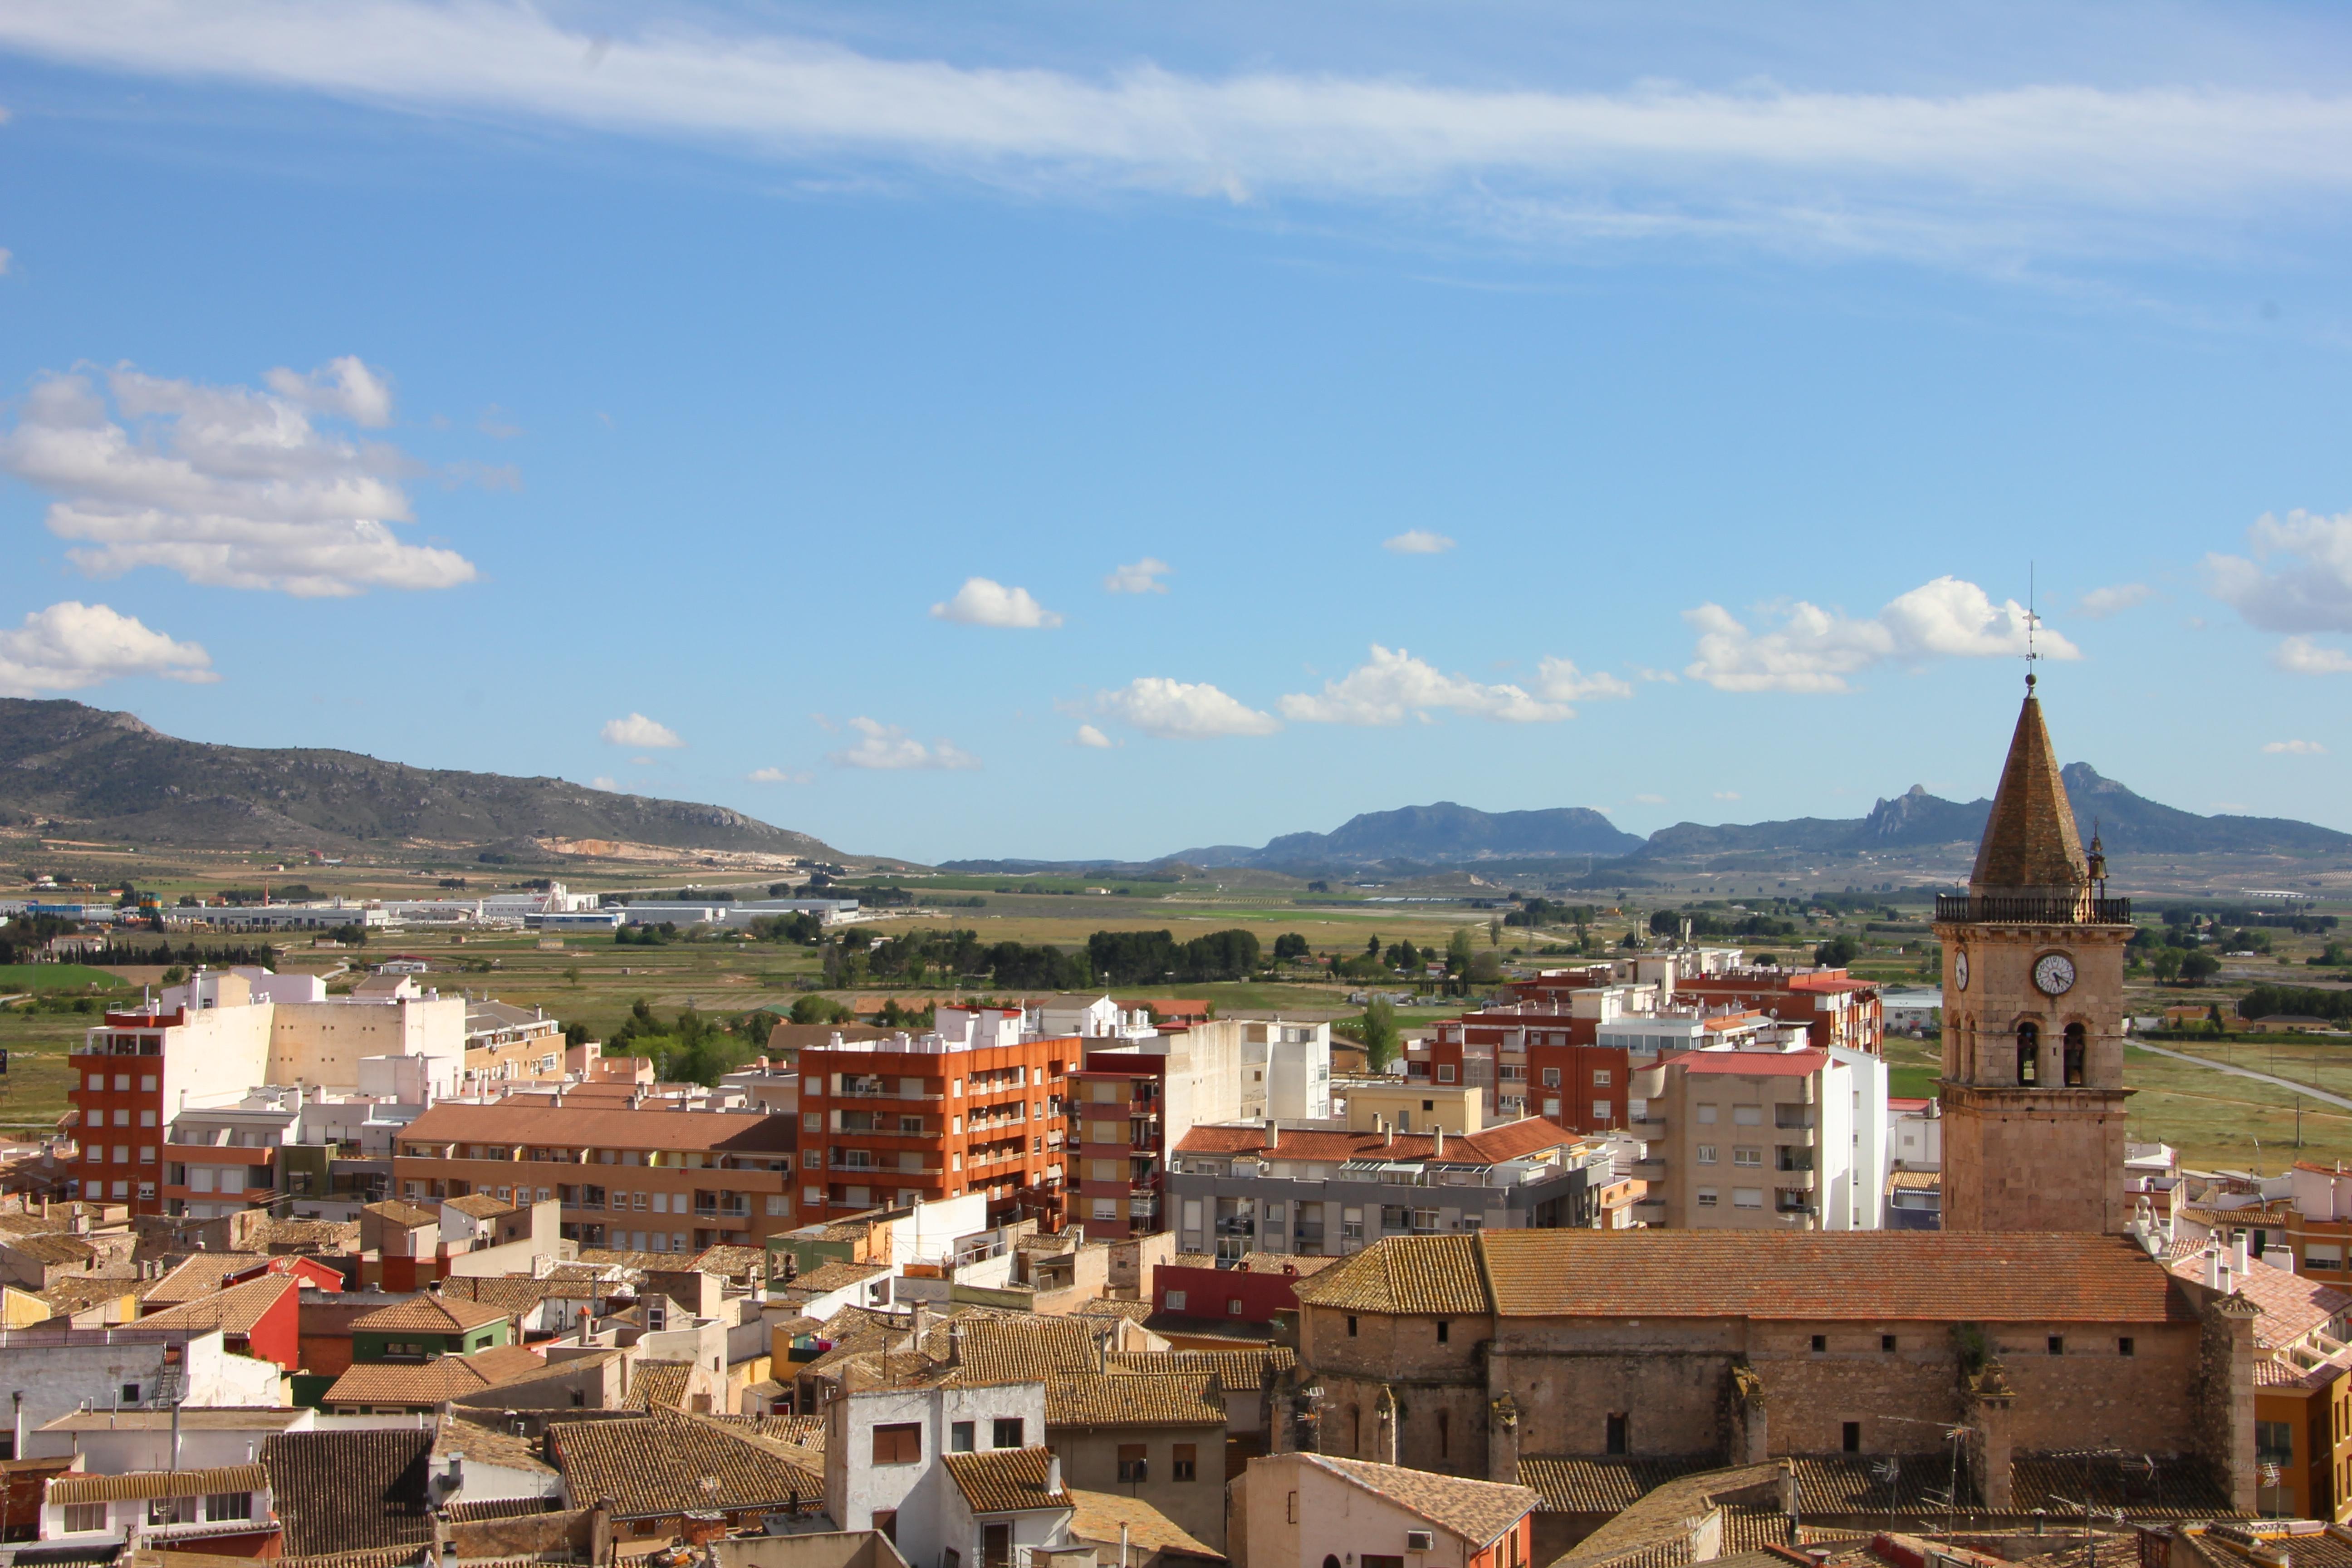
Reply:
x=1444, y=834
x=2127, y=823
x=97, y=774
x=1428, y=837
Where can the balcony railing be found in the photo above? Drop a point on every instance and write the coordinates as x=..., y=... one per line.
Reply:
x=2006, y=908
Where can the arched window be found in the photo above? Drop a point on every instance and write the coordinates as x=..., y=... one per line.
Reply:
x=2078, y=1055
x=2028, y=1052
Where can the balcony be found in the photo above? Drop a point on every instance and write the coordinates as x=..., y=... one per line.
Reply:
x=1796, y=1181
x=1967, y=909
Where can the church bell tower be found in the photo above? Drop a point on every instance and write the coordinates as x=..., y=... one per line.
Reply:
x=2034, y=1014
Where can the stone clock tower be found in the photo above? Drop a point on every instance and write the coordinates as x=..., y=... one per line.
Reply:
x=2033, y=1015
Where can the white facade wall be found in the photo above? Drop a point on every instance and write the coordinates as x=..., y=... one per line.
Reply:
x=1858, y=1083
x=146, y=1443
x=59, y=1373
x=1330, y=1518
x=214, y=1056
x=922, y=1492
x=323, y=1041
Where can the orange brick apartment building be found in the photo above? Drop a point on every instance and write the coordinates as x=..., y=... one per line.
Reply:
x=975, y=1106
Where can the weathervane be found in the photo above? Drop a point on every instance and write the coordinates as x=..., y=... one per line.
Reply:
x=2033, y=620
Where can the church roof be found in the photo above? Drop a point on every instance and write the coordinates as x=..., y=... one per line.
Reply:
x=2029, y=845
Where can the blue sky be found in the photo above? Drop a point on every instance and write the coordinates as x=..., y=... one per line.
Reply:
x=1062, y=430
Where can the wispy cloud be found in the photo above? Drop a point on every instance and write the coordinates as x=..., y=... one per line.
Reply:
x=639, y=731
x=2295, y=748
x=983, y=602
x=2100, y=603
x=2310, y=591
x=1092, y=739
x=229, y=487
x=1816, y=650
x=1417, y=541
x=1182, y=710
x=2301, y=655
x=889, y=748
x=1142, y=577
x=2011, y=171
x=71, y=646
x=777, y=776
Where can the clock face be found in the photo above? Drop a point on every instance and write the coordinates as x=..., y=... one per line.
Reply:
x=2054, y=972
x=1960, y=969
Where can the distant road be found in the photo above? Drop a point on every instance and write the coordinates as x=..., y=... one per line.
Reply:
x=2303, y=1088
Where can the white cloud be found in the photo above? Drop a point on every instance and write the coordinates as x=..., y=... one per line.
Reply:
x=2314, y=593
x=1417, y=541
x=777, y=775
x=1092, y=738
x=1815, y=649
x=72, y=645
x=889, y=748
x=2301, y=655
x=1558, y=681
x=606, y=783
x=1726, y=795
x=982, y=603
x=495, y=424
x=1182, y=710
x=2100, y=603
x=1650, y=799
x=229, y=487
x=1142, y=577
x=7, y=260
x=1985, y=174
x=1393, y=684
x=636, y=729
x=345, y=386
x=1643, y=672
x=2294, y=748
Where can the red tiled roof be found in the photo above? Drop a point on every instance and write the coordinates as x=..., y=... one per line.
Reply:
x=1511, y=1140
x=514, y=1121
x=1806, y=1276
x=1751, y=1064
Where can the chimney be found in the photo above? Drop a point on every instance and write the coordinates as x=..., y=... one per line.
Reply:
x=1439, y=1134
x=1391, y=1144
x=1272, y=1136
x=1053, y=1475
x=2238, y=1253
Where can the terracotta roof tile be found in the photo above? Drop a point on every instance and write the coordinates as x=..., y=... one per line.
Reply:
x=404, y=1213
x=1579, y=1485
x=434, y=1382
x=233, y=1310
x=430, y=1314
x=1108, y=1519
x=654, y=1468
x=567, y=1126
x=1931, y=1276
x=479, y=1205
x=1511, y=1140
x=660, y=1384
x=1477, y=1511
x=1421, y=1274
x=49, y=1247
x=1019, y=1352
x=1656, y=1531
x=348, y=1491
x=2292, y=1305
x=1127, y=1399
x=199, y=1277
x=1004, y=1480
x=138, y=1484
x=1236, y=1369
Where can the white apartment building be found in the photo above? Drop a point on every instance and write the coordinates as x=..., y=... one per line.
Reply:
x=890, y=1456
x=1767, y=1134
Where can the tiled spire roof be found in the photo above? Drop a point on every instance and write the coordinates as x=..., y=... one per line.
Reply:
x=2029, y=845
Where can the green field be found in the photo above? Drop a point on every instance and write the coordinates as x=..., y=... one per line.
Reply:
x=46, y=978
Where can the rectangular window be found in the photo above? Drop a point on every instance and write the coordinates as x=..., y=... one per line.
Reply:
x=1006, y=1432
x=1600, y=1110
x=229, y=1505
x=1351, y=1328
x=81, y=1516
x=172, y=1510
x=1445, y=1072
x=1443, y=1331
x=1185, y=1462
x=2328, y=1255
x=2123, y=1345
x=1705, y=1197
x=1551, y=1078
x=1886, y=1343
x=1707, y=1153
x=1821, y=1344
x=1132, y=1464
x=1852, y=1437
x=900, y=1443
x=1615, y=1436
x=960, y=1438
x=1176, y=1299
x=1707, y=1115
x=1748, y=1197
x=2274, y=1442
x=2057, y=1344
x=1745, y=1154
x=1601, y=1078
x=1747, y=1115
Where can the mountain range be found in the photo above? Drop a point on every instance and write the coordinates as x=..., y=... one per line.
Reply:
x=69, y=768
x=1447, y=834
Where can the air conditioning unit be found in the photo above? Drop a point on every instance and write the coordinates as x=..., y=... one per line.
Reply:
x=1420, y=1539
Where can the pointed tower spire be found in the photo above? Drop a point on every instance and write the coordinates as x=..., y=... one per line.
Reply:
x=2030, y=847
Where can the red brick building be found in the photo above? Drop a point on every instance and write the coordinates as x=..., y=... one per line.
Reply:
x=1119, y=1143
x=975, y=1106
